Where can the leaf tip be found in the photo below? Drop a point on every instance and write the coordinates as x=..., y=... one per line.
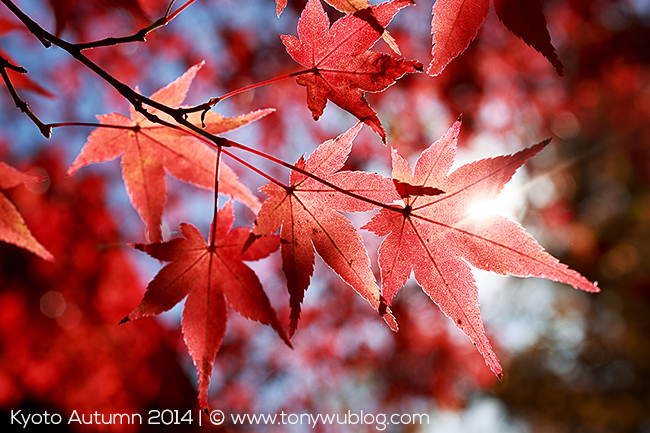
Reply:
x=386, y=314
x=434, y=68
x=72, y=170
x=390, y=321
x=283, y=335
x=41, y=252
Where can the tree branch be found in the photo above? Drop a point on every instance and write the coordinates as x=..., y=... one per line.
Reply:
x=178, y=114
x=136, y=99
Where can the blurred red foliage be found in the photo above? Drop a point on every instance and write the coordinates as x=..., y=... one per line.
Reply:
x=61, y=347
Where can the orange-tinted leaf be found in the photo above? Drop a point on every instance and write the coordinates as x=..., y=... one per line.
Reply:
x=525, y=19
x=305, y=214
x=150, y=149
x=435, y=236
x=342, y=67
x=13, y=229
x=210, y=277
x=454, y=25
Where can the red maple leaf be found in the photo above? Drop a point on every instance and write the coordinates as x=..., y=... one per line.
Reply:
x=341, y=67
x=13, y=229
x=526, y=20
x=454, y=25
x=210, y=275
x=305, y=212
x=435, y=235
x=149, y=149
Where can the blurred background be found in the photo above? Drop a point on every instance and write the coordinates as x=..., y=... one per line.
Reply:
x=573, y=362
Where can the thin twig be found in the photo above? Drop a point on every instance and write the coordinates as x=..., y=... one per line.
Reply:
x=21, y=104
x=96, y=125
x=139, y=36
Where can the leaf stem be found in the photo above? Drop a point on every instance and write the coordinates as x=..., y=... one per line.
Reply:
x=217, y=171
x=255, y=169
x=263, y=83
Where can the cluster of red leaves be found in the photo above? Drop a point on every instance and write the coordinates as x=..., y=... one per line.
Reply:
x=455, y=24
x=431, y=233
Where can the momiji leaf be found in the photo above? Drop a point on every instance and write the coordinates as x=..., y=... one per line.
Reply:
x=341, y=66
x=454, y=25
x=526, y=20
x=150, y=149
x=211, y=276
x=435, y=236
x=305, y=213
x=13, y=229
